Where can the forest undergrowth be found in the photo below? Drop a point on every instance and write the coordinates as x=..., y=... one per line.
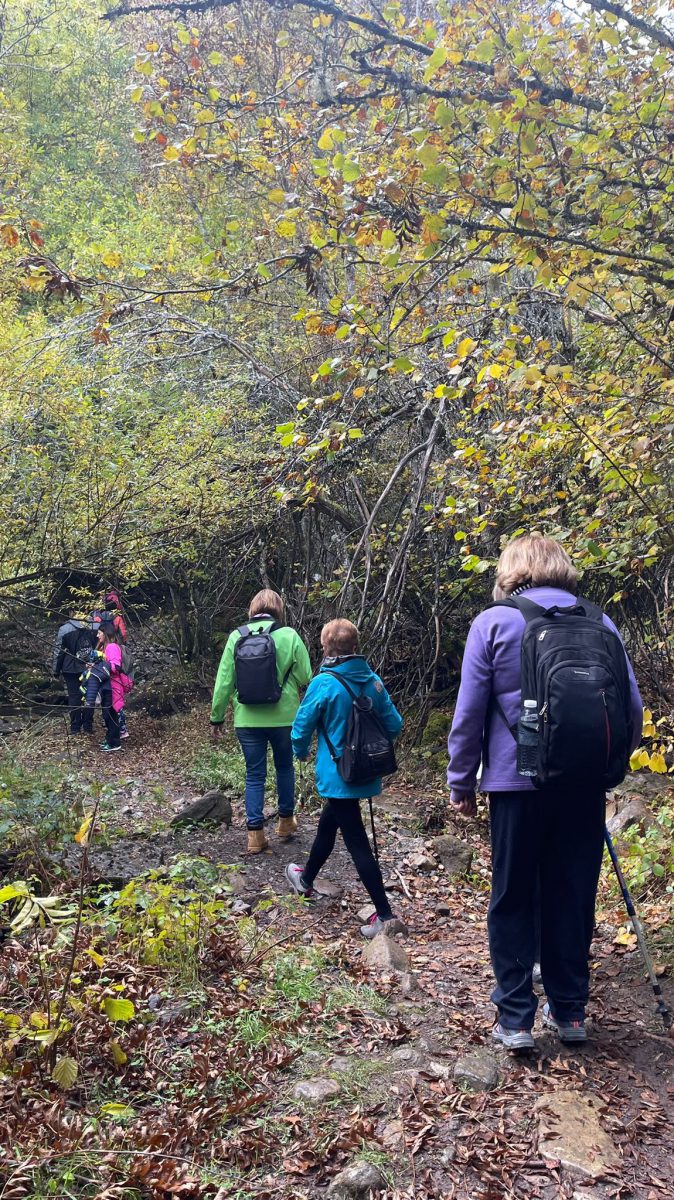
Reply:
x=155, y=1029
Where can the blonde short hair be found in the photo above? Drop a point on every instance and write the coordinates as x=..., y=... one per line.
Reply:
x=339, y=637
x=267, y=601
x=535, y=561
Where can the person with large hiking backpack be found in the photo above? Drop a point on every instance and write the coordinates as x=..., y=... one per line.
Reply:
x=74, y=641
x=355, y=720
x=549, y=703
x=263, y=667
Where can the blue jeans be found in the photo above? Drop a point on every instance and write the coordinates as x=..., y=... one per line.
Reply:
x=254, y=744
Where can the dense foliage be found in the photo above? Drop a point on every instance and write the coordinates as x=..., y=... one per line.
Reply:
x=336, y=296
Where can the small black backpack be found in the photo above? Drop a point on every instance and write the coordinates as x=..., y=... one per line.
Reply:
x=78, y=642
x=127, y=665
x=255, y=671
x=575, y=668
x=368, y=752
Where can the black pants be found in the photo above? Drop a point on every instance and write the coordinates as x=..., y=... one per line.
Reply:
x=345, y=816
x=75, y=709
x=111, y=718
x=547, y=849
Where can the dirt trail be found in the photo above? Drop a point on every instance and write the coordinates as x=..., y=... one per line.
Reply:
x=435, y=1135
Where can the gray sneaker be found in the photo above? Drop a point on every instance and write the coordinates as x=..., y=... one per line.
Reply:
x=567, y=1031
x=293, y=874
x=513, y=1039
x=375, y=925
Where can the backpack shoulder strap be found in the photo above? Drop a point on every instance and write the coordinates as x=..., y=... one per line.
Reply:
x=243, y=631
x=528, y=608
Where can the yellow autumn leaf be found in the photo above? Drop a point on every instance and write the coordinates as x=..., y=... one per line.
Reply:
x=313, y=324
x=286, y=229
x=276, y=195
x=111, y=258
x=171, y=154
x=325, y=141
x=118, y=1054
x=82, y=834
x=465, y=347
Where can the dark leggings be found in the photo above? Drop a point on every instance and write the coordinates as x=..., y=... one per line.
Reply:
x=345, y=816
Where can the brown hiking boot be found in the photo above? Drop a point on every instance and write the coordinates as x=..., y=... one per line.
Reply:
x=286, y=828
x=257, y=841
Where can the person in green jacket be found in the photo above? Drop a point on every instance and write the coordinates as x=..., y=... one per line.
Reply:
x=262, y=724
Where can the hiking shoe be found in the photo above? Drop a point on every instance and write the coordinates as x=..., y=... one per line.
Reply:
x=567, y=1031
x=257, y=842
x=513, y=1039
x=286, y=828
x=109, y=749
x=536, y=976
x=389, y=926
x=293, y=874
x=124, y=732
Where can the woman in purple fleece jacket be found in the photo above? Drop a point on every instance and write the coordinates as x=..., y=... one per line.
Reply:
x=547, y=843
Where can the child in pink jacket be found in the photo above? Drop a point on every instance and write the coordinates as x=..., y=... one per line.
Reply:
x=120, y=685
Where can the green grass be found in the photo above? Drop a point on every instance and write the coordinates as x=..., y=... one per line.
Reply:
x=218, y=766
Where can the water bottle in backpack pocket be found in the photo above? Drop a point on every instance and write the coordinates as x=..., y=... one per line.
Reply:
x=527, y=739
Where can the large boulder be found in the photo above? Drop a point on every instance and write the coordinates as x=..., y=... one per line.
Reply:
x=455, y=856
x=215, y=807
x=634, y=812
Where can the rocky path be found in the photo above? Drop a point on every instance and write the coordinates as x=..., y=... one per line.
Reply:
x=441, y=1111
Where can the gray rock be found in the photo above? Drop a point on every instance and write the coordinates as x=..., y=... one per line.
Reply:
x=443, y=910
x=215, y=806
x=384, y=954
x=448, y=1155
x=439, y=1070
x=422, y=863
x=633, y=813
x=326, y=887
x=477, y=1071
x=409, y=983
x=455, y=856
x=316, y=1091
x=356, y=1182
x=341, y=1064
x=569, y=1131
x=408, y=1056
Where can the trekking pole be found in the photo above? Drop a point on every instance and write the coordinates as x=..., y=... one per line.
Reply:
x=374, y=835
x=639, y=932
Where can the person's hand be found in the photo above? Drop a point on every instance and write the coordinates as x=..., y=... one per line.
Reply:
x=464, y=803
x=216, y=733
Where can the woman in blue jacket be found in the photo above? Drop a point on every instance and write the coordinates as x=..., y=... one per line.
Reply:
x=325, y=709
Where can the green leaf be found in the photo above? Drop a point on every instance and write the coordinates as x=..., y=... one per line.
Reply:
x=438, y=59
x=118, y=1010
x=610, y=34
x=436, y=175
x=351, y=171
x=403, y=364
x=65, y=1073
x=11, y=891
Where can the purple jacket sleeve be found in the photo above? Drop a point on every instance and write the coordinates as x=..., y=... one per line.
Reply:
x=466, y=734
x=637, y=702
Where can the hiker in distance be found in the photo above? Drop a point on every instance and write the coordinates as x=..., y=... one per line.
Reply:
x=326, y=710
x=264, y=666
x=74, y=642
x=548, y=701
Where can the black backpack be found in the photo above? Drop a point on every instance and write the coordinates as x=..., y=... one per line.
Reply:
x=255, y=671
x=78, y=643
x=127, y=665
x=575, y=668
x=104, y=620
x=368, y=750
